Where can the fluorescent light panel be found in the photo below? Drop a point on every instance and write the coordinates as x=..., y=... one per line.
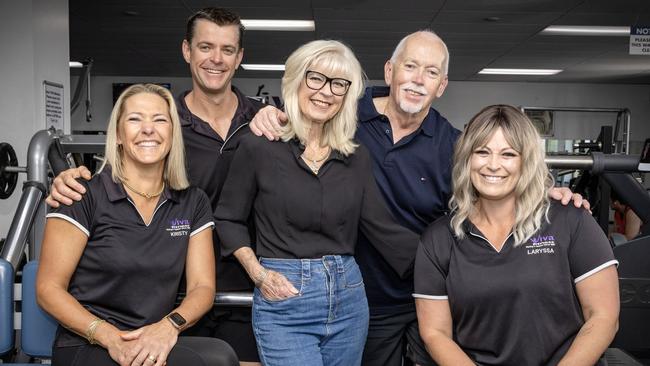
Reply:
x=75, y=64
x=263, y=67
x=278, y=25
x=584, y=30
x=519, y=71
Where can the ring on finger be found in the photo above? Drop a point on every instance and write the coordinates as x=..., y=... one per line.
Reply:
x=151, y=358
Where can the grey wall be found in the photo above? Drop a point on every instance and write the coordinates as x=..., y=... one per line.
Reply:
x=34, y=39
x=459, y=103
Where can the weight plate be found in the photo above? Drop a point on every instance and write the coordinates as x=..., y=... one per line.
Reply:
x=7, y=180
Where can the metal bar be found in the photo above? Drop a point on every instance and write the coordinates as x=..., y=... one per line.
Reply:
x=30, y=200
x=15, y=169
x=600, y=162
x=628, y=119
x=83, y=143
x=233, y=299
x=582, y=162
x=575, y=109
x=14, y=245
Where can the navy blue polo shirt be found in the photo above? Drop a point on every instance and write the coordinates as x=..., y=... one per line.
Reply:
x=129, y=271
x=516, y=306
x=414, y=177
x=208, y=158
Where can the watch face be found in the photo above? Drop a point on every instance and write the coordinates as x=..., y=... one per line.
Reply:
x=177, y=319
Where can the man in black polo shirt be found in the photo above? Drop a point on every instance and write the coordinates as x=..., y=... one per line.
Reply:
x=213, y=114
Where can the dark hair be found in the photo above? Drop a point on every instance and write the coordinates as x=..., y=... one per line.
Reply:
x=220, y=17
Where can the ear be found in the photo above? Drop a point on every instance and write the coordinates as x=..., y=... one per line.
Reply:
x=442, y=87
x=240, y=57
x=388, y=72
x=185, y=47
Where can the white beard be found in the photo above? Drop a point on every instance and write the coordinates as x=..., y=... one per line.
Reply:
x=410, y=107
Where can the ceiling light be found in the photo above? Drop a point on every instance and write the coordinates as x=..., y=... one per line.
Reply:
x=278, y=25
x=583, y=30
x=263, y=67
x=75, y=64
x=519, y=72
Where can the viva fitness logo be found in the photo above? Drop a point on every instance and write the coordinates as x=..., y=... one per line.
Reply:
x=178, y=227
x=541, y=244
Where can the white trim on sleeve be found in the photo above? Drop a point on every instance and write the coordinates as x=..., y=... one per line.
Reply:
x=205, y=226
x=70, y=220
x=597, y=269
x=430, y=297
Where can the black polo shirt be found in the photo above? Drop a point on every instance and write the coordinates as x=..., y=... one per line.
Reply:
x=208, y=159
x=517, y=306
x=129, y=272
x=302, y=215
x=414, y=178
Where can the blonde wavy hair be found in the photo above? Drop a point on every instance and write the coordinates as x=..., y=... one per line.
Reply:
x=531, y=191
x=175, y=175
x=337, y=60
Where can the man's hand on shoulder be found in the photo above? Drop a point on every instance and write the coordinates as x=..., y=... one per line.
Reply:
x=564, y=195
x=65, y=188
x=268, y=122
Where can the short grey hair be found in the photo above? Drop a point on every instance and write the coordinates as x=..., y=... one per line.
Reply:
x=402, y=43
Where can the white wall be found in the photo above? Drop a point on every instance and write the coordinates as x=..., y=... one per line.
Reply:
x=459, y=103
x=34, y=39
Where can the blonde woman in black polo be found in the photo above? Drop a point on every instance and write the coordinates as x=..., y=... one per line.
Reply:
x=111, y=263
x=509, y=278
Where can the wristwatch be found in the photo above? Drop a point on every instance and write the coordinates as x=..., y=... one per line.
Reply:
x=176, y=319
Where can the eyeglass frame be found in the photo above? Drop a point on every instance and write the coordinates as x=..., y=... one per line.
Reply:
x=327, y=80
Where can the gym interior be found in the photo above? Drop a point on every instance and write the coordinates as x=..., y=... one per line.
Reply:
x=65, y=62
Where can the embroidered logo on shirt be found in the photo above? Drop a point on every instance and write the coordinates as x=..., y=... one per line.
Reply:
x=179, y=227
x=541, y=244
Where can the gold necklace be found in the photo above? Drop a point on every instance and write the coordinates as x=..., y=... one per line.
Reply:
x=313, y=163
x=144, y=194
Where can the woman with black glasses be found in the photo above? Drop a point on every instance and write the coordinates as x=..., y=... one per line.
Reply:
x=310, y=193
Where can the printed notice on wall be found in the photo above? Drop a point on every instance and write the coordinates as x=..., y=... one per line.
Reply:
x=640, y=40
x=53, y=105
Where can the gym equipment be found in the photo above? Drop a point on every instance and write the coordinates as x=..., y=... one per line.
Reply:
x=8, y=170
x=633, y=256
x=42, y=147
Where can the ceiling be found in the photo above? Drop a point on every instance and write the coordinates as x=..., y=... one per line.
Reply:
x=143, y=38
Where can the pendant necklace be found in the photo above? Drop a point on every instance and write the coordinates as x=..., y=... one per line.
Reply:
x=313, y=163
x=144, y=194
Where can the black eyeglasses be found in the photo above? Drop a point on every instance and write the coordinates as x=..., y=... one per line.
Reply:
x=316, y=81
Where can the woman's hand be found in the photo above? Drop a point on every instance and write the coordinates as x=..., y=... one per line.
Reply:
x=152, y=343
x=276, y=287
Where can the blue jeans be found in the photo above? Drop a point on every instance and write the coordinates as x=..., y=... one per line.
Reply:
x=325, y=324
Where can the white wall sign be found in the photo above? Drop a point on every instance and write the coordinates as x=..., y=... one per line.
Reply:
x=53, y=105
x=640, y=40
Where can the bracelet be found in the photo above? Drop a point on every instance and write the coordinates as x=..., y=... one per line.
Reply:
x=92, y=328
x=261, y=277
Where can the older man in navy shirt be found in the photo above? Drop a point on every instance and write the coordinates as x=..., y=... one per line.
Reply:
x=411, y=145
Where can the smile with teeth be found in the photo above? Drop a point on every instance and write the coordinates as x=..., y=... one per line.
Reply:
x=214, y=71
x=320, y=103
x=414, y=93
x=493, y=178
x=147, y=144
